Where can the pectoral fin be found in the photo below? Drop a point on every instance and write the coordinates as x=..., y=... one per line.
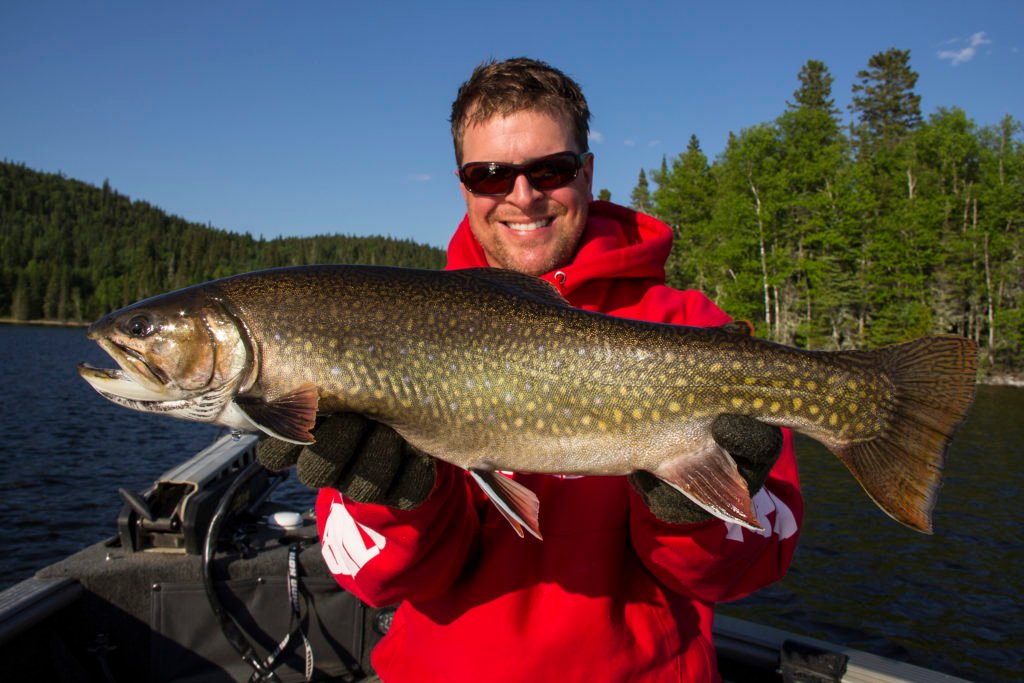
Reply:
x=710, y=479
x=290, y=417
x=516, y=503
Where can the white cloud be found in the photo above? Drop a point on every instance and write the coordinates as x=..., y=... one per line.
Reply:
x=654, y=143
x=629, y=142
x=965, y=54
x=596, y=137
x=420, y=177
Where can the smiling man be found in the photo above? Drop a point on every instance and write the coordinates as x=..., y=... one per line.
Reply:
x=528, y=229
x=624, y=584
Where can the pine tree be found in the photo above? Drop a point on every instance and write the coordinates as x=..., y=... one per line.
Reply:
x=640, y=199
x=683, y=199
x=815, y=91
x=885, y=101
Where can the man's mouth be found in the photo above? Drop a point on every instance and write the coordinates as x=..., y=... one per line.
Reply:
x=529, y=226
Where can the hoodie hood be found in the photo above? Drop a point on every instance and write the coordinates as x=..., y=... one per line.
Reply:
x=620, y=251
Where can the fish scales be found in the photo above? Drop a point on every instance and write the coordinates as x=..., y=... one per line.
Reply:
x=548, y=383
x=493, y=370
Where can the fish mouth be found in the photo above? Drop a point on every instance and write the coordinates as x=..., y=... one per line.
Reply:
x=135, y=379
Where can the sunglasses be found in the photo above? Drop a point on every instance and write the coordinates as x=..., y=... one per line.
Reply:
x=496, y=179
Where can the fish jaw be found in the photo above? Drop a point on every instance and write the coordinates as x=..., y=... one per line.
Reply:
x=208, y=406
x=136, y=379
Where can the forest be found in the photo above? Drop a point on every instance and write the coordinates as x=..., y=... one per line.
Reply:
x=70, y=251
x=830, y=235
x=826, y=234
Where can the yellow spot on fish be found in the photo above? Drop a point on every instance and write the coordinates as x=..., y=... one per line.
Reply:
x=656, y=415
x=852, y=407
x=737, y=403
x=674, y=407
x=758, y=403
x=833, y=419
x=518, y=422
x=308, y=346
x=638, y=414
x=736, y=365
x=775, y=407
x=690, y=398
x=814, y=410
x=617, y=414
x=812, y=385
x=586, y=420
x=796, y=382
x=540, y=424
x=715, y=367
x=531, y=406
x=602, y=426
x=749, y=381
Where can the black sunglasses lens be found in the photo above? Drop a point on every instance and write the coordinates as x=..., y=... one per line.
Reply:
x=491, y=178
x=548, y=174
x=487, y=178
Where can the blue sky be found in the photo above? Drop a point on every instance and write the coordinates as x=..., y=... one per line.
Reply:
x=305, y=118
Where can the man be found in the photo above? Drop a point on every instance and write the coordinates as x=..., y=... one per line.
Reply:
x=623, y=585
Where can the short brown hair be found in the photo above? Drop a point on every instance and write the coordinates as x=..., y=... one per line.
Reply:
x=514, y=85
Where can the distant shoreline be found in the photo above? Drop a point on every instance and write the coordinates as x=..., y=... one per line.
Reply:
x=44, y=323
x=1004, y=380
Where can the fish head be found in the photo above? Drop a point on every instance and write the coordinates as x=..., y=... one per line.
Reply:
x=171, y=350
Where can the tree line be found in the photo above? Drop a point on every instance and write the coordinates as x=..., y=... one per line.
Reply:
x=832, y=235
x=71, y=251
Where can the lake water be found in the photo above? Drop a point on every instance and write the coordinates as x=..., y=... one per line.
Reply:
x=953, y=601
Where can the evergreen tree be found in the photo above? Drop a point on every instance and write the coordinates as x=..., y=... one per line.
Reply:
x=640, y=199
x=815, y=229
x=885, y=101
x=815, y=91
x=683, y=199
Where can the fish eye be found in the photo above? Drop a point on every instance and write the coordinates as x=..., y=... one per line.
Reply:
x=140, y=326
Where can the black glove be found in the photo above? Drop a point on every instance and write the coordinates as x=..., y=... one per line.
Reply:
x=754, y=446
x=366, y=460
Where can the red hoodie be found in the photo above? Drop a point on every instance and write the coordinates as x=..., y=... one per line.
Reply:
x=611, y=593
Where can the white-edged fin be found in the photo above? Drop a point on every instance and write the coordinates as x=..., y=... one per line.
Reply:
x=710, y=479
x=516, y=503
x=290, y=417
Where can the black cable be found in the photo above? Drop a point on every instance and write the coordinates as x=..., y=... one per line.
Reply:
x=227, y=625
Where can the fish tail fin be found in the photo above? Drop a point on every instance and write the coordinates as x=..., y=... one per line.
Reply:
x=934, y=385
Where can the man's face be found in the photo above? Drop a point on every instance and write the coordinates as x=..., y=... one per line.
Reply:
x=530, y=231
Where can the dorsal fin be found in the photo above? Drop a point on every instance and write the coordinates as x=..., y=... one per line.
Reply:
x=519, y=284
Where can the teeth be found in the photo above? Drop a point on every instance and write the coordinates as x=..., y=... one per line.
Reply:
x=525, y=227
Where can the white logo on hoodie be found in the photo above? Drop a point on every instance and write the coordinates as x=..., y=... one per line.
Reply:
x=344, y=546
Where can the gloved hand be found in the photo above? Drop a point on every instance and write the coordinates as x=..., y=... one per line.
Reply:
x=754, y=446
x=366, y=460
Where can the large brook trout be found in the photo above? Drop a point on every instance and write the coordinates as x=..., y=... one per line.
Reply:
x=493, y=371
